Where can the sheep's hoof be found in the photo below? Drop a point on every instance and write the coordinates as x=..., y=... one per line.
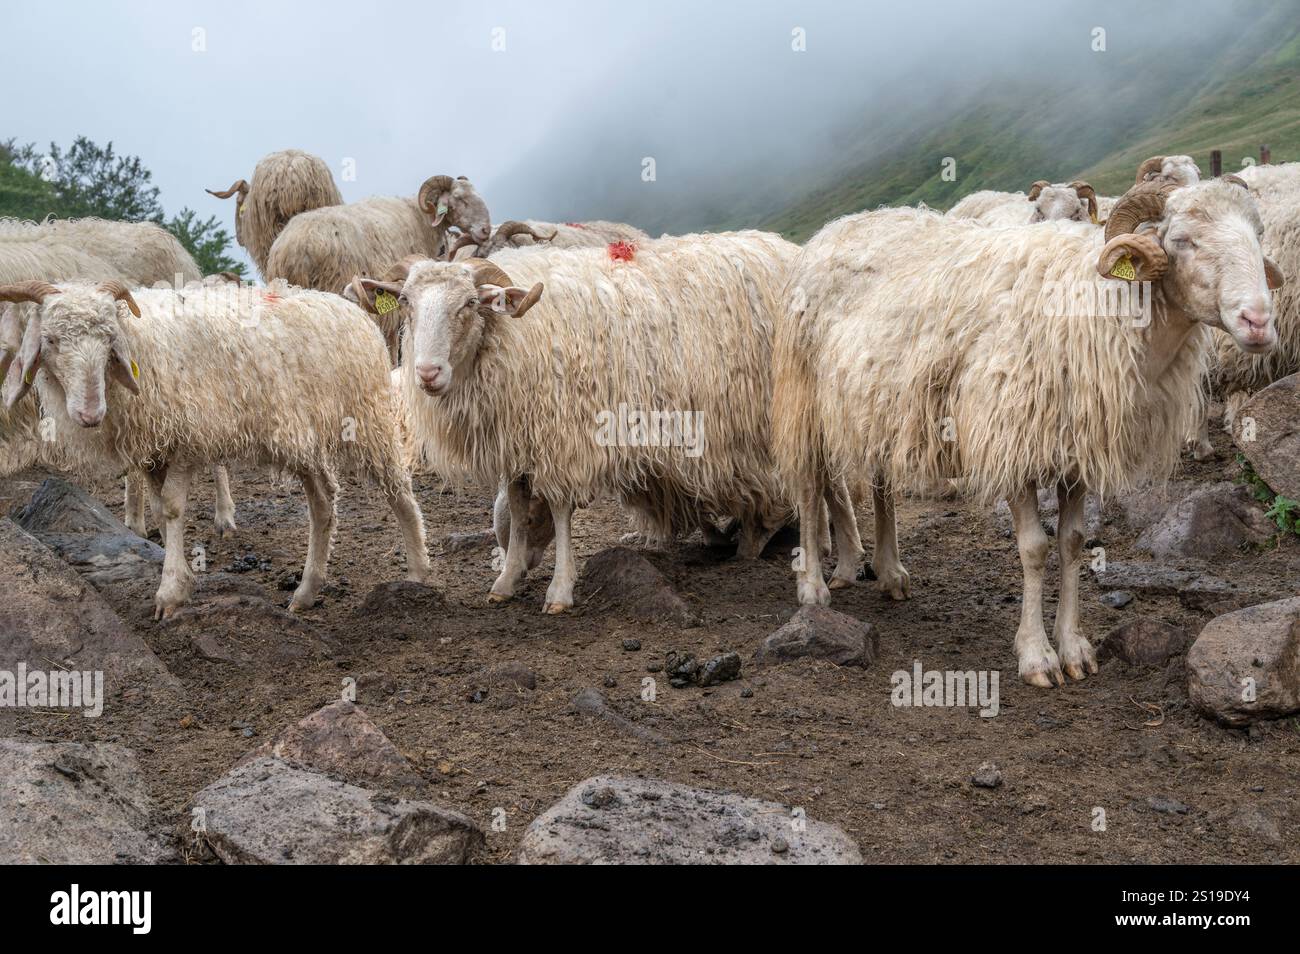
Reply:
x=1203, y=451
x=839, y=583
x=896, y=583
x=498, y=598
x=814, y=593
x=228, y=532
x=1041, y=668
x=1078, y=658
x=555, y=609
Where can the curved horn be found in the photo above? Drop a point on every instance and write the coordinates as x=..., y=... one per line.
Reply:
x=1088, y=194
x=1235, y=180
x=401, y=269
x=508, y=230
x=465, y=241
x=434, y=186
x=1153, y=258
x=488, y=273
x=533, y=296
x=1150, y=166
x=120, y=293
x=240, y=186
x=1138, y=205
x=26, y=291
x=1037, y=188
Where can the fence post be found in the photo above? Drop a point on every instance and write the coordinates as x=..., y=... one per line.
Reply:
x=1216, y=163
x=1265, y=155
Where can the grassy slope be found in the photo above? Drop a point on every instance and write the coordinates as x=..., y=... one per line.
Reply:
x=1231, y=96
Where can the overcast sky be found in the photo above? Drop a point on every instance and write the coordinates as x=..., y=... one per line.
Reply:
x=201, y=90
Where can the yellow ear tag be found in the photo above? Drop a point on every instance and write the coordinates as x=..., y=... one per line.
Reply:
x=1123, y=268
x=135, y=370
x=442, y=209
x=384, y=302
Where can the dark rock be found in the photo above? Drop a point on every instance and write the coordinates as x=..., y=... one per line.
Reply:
x=1116, y=599
x=86, y=535
x=266, y=811
x=340, y=740
x=988, y=775
x=1210, y=522
x=1142, y=507
x=50, y=618
x=1275, y=451
x=477, y=540
x=630, y=584
x=67, y=803
x=821, y=633
x=1146, y=642
x=1245, y=665
x=1195, y=589
x=617, y=820
x=722, y=668
x=1166, y=806
x=631, y=645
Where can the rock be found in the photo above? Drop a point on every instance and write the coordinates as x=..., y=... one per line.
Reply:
x=1146, y=642
x=684, y=669
x=722, y=668
x=821, y=633
x=83, y=531
x=65, y=803
x=1166, y=806
x=1194, y=588
x=988, y=775
x=340, y=740
x=478, y=540
x=618, y=820
x=632, y=645
x=1245, y=665
x=1263, y=822
x=1116, y=599
x=1142, y=507
x=266, y=811
x=50, y=618
x=243, y=629
x=401, y=608
x=1275, y=451
x=629, y=583
x=591, y=701
x=1210, y=522
x=512, y=675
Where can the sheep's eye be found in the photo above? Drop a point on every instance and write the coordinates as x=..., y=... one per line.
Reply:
x=472, y=302
x=403, y=300
x=1183, y=242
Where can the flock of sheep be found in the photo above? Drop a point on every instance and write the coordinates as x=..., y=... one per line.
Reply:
x=897, y=348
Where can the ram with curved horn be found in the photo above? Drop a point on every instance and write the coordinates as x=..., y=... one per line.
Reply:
x=1033, y=372
x=532, y=234
x=1175, y=170
x=284, y=184
x=325, y=248
x=1075, y=201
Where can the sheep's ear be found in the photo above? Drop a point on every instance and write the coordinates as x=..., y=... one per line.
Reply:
x=440, y=211
x=124, y=371
x=495, y=300
x=1132, y=257
x=1273, y=274
x=29, y=362
x=378, y=298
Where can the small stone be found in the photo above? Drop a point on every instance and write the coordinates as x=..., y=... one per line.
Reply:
x=631, y=645
x=746, y=693
x=610, y=682
x=779, y=845
x=1166, y=806
x=1117, y=599
x=988, y=775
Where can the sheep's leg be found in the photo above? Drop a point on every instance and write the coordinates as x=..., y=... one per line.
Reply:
x=1039, y=665
x=136, y=494
x=891, y=576
x=172, y=485
x=756, y=533
x=809, y=585
x=411, y=521
x=321, y=490
x=541, y=527
x=838, y=508
x=1231, y=408
x=223, y=509
x=824, y=529
x=1202, y=449
x=516, y=561
x=501, y=515
x=559, y=595
x=1075, y=652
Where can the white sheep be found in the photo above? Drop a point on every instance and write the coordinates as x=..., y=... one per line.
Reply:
x=1076, y=201
x=174, y=380
x=325, y=248
x=530, y=233
x=624, y=374
x=1169, y=170
x=284, y=184
x=916, y=347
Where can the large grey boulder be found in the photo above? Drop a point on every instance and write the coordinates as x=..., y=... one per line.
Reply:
x=65, y=803
x=267, y=811
x=1210, y=522
x=1274, y=414
x=83, y=531
x=1245, y=666
x=612, y=819
x=821, y=633
x=50, y=617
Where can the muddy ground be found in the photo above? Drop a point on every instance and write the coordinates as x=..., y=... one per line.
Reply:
x=806, y=733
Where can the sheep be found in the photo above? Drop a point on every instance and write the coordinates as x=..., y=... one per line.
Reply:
x=513, y=234
x=175, y=380
x=325, y=248
x=1176, y=170
x=143, y=253
x=284, y=184
x=1235, y=374
x=1076, y=201
x=915, y=347
x=553, y=403
x=1269, y=181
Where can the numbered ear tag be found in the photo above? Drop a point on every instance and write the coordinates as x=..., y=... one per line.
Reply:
x=135, y=370
x=384, y=302
x=442, y=209
x=1123, y=269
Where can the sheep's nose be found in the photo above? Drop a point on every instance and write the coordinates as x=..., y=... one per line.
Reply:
x=89, y=418
x=431, y=375
x=1254, y=318
x=482, y=232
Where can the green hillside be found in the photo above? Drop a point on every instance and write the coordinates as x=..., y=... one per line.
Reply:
x=1230, y=94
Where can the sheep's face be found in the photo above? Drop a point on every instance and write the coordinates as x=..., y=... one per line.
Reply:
x=448, y=307
x=1180, y=169
x=1217, y=273
x=81, y=348
x=467, y=211
x=1059, y=203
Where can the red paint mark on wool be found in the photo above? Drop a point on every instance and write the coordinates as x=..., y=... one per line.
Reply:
x=622, y=251
x=576, y=225
x=270, y=297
